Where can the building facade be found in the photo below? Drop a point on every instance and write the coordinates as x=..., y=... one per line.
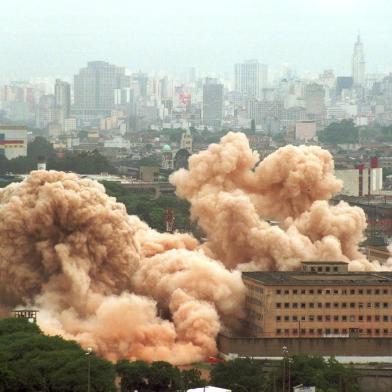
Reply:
x=321, y=301
x=250, y=78
x=358, y=63
x=13, y=141
x=62, y=93
x=212, y=103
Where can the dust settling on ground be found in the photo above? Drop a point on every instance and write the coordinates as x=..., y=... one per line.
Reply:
x=110, y=282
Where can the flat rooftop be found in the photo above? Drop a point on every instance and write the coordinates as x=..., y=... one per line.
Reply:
x=300, y=278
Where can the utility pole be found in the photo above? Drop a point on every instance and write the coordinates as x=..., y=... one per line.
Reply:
x=88, y=353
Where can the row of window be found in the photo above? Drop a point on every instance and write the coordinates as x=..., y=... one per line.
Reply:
x=329, y=305
x=328, y=331
x=333, y=291
x=329, y=318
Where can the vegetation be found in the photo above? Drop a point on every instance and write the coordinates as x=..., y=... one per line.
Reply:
x=31, y=361
x=85, y=162
x=344, y=132
x=152, y=211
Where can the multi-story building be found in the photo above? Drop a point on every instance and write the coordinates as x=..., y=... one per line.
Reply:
x=212, y=103
x=94, y=89
x=315, y=103
x=323, y=300
x=62, y=93
x=250, y=78
x=47, y=111
x=263, y=111
x=358, y=63
x=13, y=141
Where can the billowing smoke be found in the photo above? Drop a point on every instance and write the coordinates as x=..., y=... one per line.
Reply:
x=110, y=282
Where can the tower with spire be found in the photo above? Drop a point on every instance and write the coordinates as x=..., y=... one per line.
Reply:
x=358, y=63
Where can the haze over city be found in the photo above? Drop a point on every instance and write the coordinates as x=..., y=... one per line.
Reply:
x=58, y=37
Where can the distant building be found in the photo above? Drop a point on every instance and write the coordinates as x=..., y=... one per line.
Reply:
x=250, y=78
x=149, y=173
x=358, y=63
x=305, y=130
x=321, y=301
x=186, y=141
x=47, y=111
x=343, y=83
x=94, y=89
x=62, y=93
x=13, y=141
x=212, y=103
x=361, y=181
x=315, y=103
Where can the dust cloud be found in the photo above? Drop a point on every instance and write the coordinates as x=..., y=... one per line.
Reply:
x=108, y=281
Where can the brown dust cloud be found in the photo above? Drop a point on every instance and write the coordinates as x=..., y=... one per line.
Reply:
x=110, y=282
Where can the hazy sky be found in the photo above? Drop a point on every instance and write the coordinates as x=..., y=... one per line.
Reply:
x=57, y=37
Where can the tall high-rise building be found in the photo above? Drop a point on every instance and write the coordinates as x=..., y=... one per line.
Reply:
x=62, y=93
x=94, y=89
x=250, y=78
x=358, y=63
x=315, y=103
x=212, y=102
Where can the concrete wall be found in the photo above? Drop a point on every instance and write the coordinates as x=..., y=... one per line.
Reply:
x=272, y=347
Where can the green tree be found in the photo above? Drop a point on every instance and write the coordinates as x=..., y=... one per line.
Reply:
x=164, y=377
x=40, y=147
x=344, y=132
x=241, y=374
x=191, y=379
x=134, y=375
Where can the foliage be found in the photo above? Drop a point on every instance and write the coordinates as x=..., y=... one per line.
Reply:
x=327, y=375
x=159, y=376
x=242, y=374
x=150, y=210
x=31, y=361
x=344, y=132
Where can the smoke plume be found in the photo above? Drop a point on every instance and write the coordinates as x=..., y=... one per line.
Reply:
x=108, y=281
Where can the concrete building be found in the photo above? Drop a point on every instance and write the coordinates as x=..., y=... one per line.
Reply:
x=62, y=93
x=315, y=103
x=212, y=103
x=47, y=111
x=94, y=89
x=323, y=300
x=250, y=78
x=358, y=63
x=149, y=173
x=13, y=141
x=361, y=181
x=305, y=130
x=186, y=141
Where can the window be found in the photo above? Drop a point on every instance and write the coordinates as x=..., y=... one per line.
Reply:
x=377, y=331
x=327, y=304
x=336, y=304
x=278, y=305
x=303, y=291
x=335, y=318
x=385, y=291
x=286, y=318
x=286, y=292
x=352, y=304
x=385, y=305
x=335, y=269
x=344, y=331
x=294, y=305
x=278, y=331
x=295, y=318
x=352, y=291
x=295, y=331
x=319, y=305
x=328, y=318
x=286, y=305
x=319, y=291
x=368, y=291
x=377, y=318
x=344, y=318
x=278, y=292
x=368, y=331
x=352, y=318
x=295, y=291
x=369, y=304
x=328, y=331
x=303, y=318
x=303, y=305
x=319, y=318
x=311, y=305
x=377, y=304
x=385, y=331
x=311, y=291
x=360, y=318
x=311, y=318
x=319, y=331
x=327, y=291
x=360, y=291
x=311, y=331
x=303, y=331
x=360, y=305
x=384, y=318
x=377, y=291
x=336, y=291
x=344, y=305
x=327, y=269
x=320, y=269
x=336, y=331
x=286, y=331
x=368, y=318
x=344, y=292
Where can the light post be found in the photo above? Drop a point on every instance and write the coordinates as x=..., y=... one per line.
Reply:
x=88, y=353
x=286, y=355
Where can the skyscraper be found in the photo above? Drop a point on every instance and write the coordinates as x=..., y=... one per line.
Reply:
x=94, y=89
x=212, y=102
x=250, y=78
x=62, y=93
x=358, y=63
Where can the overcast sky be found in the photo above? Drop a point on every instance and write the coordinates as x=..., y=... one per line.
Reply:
x=57, y=37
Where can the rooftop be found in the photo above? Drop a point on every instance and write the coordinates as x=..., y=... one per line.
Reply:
x=301, y=278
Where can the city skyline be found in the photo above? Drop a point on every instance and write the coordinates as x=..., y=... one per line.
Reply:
x=58, y=39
